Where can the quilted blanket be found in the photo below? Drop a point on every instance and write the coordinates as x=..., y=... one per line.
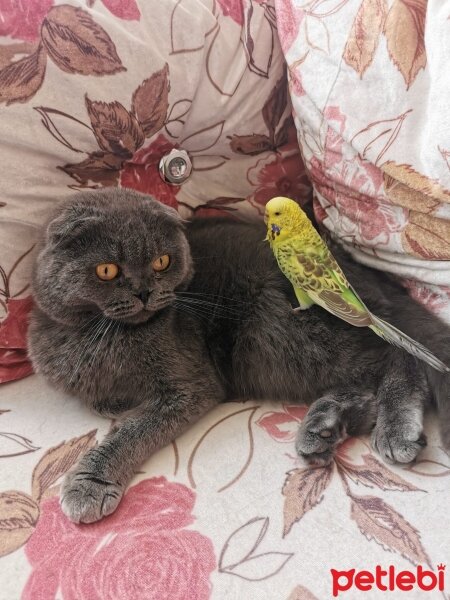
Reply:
x=226, y=511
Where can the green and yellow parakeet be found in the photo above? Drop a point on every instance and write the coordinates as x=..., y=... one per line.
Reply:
x=307, y=262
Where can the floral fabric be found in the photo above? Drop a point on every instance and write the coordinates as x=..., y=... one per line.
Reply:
x=226, y=511
x=370, y=86
x=93, y=93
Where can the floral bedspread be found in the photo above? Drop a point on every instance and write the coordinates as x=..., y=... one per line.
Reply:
x=370, y=88
x=227, y=511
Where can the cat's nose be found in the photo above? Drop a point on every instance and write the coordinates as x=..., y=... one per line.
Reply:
x=143, y=296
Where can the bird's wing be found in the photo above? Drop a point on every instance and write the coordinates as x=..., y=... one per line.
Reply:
x=315, y=270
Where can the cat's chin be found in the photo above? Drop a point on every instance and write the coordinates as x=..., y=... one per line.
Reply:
x=141, y=317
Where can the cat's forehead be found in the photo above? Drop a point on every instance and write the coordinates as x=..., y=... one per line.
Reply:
x=136, y=236
x=118, y=205
x=125, y=225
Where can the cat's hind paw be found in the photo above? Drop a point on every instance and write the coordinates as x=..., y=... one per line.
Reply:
x=86, y=498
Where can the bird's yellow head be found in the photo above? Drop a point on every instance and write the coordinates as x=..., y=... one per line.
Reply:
x=284, y=218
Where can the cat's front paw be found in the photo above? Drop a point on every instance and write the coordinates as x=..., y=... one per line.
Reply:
x=86, y=498
x=398, y=444
x=318, y=436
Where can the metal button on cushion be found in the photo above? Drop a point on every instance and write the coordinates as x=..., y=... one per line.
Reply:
x=175, y=167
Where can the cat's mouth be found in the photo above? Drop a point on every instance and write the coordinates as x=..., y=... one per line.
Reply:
x=135, y=319
x=135, y=315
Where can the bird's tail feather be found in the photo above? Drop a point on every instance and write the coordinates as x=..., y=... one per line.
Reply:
x=396, y=337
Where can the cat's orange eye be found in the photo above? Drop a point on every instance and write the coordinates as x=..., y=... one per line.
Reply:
x=107, y=271
x=161, y=263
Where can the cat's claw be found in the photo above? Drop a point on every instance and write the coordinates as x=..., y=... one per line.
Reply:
x=86, y=498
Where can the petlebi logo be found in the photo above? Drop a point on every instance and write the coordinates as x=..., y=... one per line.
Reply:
x=388, y=580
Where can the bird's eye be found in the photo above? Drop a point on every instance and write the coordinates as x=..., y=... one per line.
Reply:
x=277, y=214
x=161, y=263
x=107, y=271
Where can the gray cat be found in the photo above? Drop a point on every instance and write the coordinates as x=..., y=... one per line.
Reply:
x=156, y=321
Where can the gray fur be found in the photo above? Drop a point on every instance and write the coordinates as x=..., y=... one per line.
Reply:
x=217, y=325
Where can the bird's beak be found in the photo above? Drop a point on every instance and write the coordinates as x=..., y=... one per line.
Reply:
x=266, y=218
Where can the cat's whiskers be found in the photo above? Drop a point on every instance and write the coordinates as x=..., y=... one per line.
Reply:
x=206, y=310
x=92, y=364
x=91, y=324
x=190, y=311
x=97, y=331
x=114, y=327
x=116, y=334
x=214, y=296
x=214, y=306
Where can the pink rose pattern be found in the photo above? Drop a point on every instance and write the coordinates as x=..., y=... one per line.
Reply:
x=123, y=9
x=22, y=19
x=143, y=550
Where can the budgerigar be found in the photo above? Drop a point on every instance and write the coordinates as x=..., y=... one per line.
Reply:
x=306, y=261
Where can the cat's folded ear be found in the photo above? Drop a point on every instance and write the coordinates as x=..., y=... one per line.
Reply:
x=172, y=213
x=68, y=224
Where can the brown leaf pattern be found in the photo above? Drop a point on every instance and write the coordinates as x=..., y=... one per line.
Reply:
x=18, y=516
x=407, y=187
x=303, y=490
x=100, y=169
x=21, y=80
x=151, y=101
x=206, y=438
x=259, y=56
x=372, y=473
x=250, y=144
x=405, y=29
x=407, y=197
x=380, y=522
x=427, y=237
x=10, y=51
x=117, y=131
x=77, y=44
x=58, y=460
x=238, y=556
x=376, y=139
x=364, y=35
x=61, y=126
x=273, y=110
x=13, y=444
